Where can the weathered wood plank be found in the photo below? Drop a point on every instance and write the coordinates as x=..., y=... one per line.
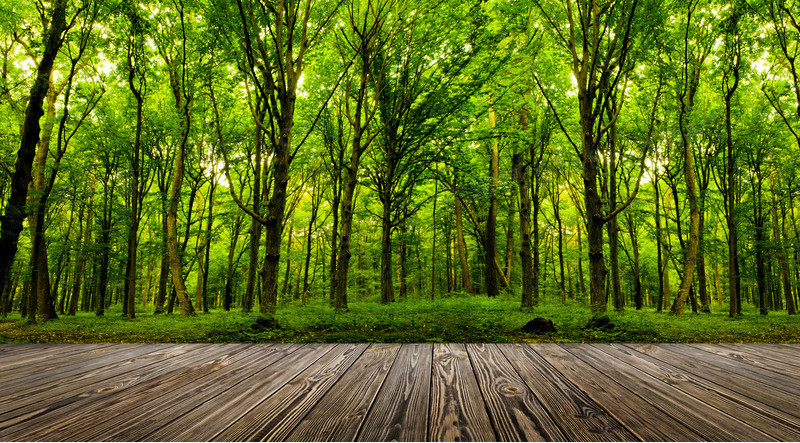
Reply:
x=457, y=411
x=707, y=421
x=400, y=411
x=137, y=420
x=25, y=355
x=754, y=389
x=339, y=414
x=769, y=420
x=643, y=419
x=97, y=403
x=28, y=402
x=274, y=418
x=766, y=376
x=769, y=353
x=67, y=367
x=782, y=368
x=576, y=415
x=208, y=419
x=515, y=412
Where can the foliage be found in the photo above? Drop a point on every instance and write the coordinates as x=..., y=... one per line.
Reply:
x=457, y=318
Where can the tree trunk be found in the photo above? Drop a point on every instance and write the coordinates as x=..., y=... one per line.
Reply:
x=285, y=289
x=182, y=106
x=579, y=227
x=12, y=219
x=613, y=224
x=659, y=245
x=133, y=233
x=315, y=202
x=510, y=239
x=387, y=285
x=560, y=228
x=690, y=260
x=524, y=230
x=466, y=281
x=433, y=235
x=637, y=282
x=80, y=260
x=490, y=240
x=782, y=259
x=701, y=263
x=343, y=258
x=227, y=299
x=207, y=241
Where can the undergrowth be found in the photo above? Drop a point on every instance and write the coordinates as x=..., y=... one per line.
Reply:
x=457, y=318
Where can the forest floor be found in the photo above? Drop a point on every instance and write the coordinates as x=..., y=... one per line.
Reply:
x=458, y=318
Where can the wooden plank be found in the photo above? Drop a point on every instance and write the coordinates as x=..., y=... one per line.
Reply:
x=67, y=367
x=756, y=390
x=578, y=416
x=766, y=376
x=47, y=412
x=400, y=411
x=644, y=420
x=744, y=357
x=92, y=412
x=24, y=355
x=709, y=422
x=793, y=348
x=210, y=418
x=29, y=402
x=766, y=351
x=137, y=420
x=274, y=418
x=457, y=411
x=515, y=412
x=774, y=422
x=339, y=414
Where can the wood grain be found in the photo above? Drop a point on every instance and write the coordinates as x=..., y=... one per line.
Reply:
x=770, y=420
x=644, y=420
x=92, y=409
x=580, y=418
x=400, y=411
x=515, y=412
x=138, y=419
x=749, y=387
x=767, y=352
x=766, y=375
x=36, y=400
x=274, y=418
x=68, y=367
x=742, y=356
x=339, y=414
x=205, y=421
x=486, y=392
x=457, y=411
x=711, y=423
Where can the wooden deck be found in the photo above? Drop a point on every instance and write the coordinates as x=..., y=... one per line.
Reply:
x=414, y=392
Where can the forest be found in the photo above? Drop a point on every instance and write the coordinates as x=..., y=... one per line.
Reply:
x=165, y=156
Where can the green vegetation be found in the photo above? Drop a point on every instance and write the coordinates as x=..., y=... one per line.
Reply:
x=247, y=158
x=459, y=318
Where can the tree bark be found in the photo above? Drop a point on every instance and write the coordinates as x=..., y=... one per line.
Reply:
x=227, y=299
x=525, y=255
x=11, y=221
x=691, y=78
x=466, y=281
x=490, y=239
x=784, y=263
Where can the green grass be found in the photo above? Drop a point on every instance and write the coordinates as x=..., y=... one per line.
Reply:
x=458, y=318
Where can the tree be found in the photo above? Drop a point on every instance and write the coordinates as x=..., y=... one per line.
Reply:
x=694, y=55
x=15, y=212
x=598, y=38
